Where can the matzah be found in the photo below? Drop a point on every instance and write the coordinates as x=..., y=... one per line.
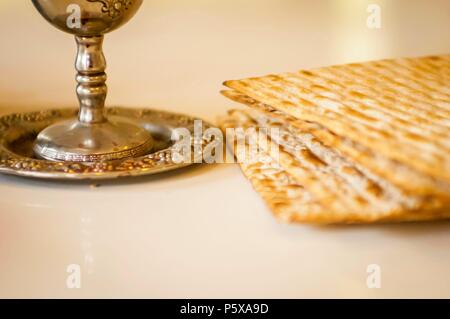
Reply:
x=400, y=108
x=363, y=122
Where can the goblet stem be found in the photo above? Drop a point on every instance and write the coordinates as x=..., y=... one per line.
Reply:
x=91, y=90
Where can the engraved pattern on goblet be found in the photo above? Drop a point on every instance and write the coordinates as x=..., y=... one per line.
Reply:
x=114, y=8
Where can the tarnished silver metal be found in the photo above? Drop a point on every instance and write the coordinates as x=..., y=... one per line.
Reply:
x=93, y=136
x=91, y=79
x=18, y=133
x=97, y=16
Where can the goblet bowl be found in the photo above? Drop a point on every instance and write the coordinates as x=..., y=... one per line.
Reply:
x=87, y=17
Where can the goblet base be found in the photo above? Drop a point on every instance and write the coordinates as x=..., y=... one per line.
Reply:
x=75, y=141
x=18, y=134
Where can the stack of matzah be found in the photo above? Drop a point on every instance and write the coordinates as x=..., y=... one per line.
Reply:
x=358, y=143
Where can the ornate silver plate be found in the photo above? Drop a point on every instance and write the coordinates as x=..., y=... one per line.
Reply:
x=18, y=133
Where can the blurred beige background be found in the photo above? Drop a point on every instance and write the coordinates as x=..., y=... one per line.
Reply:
x=203, y=233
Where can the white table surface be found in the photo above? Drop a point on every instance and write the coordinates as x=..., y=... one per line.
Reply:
x=203, y=232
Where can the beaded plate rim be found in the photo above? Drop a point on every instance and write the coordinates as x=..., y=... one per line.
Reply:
x=15, y=126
